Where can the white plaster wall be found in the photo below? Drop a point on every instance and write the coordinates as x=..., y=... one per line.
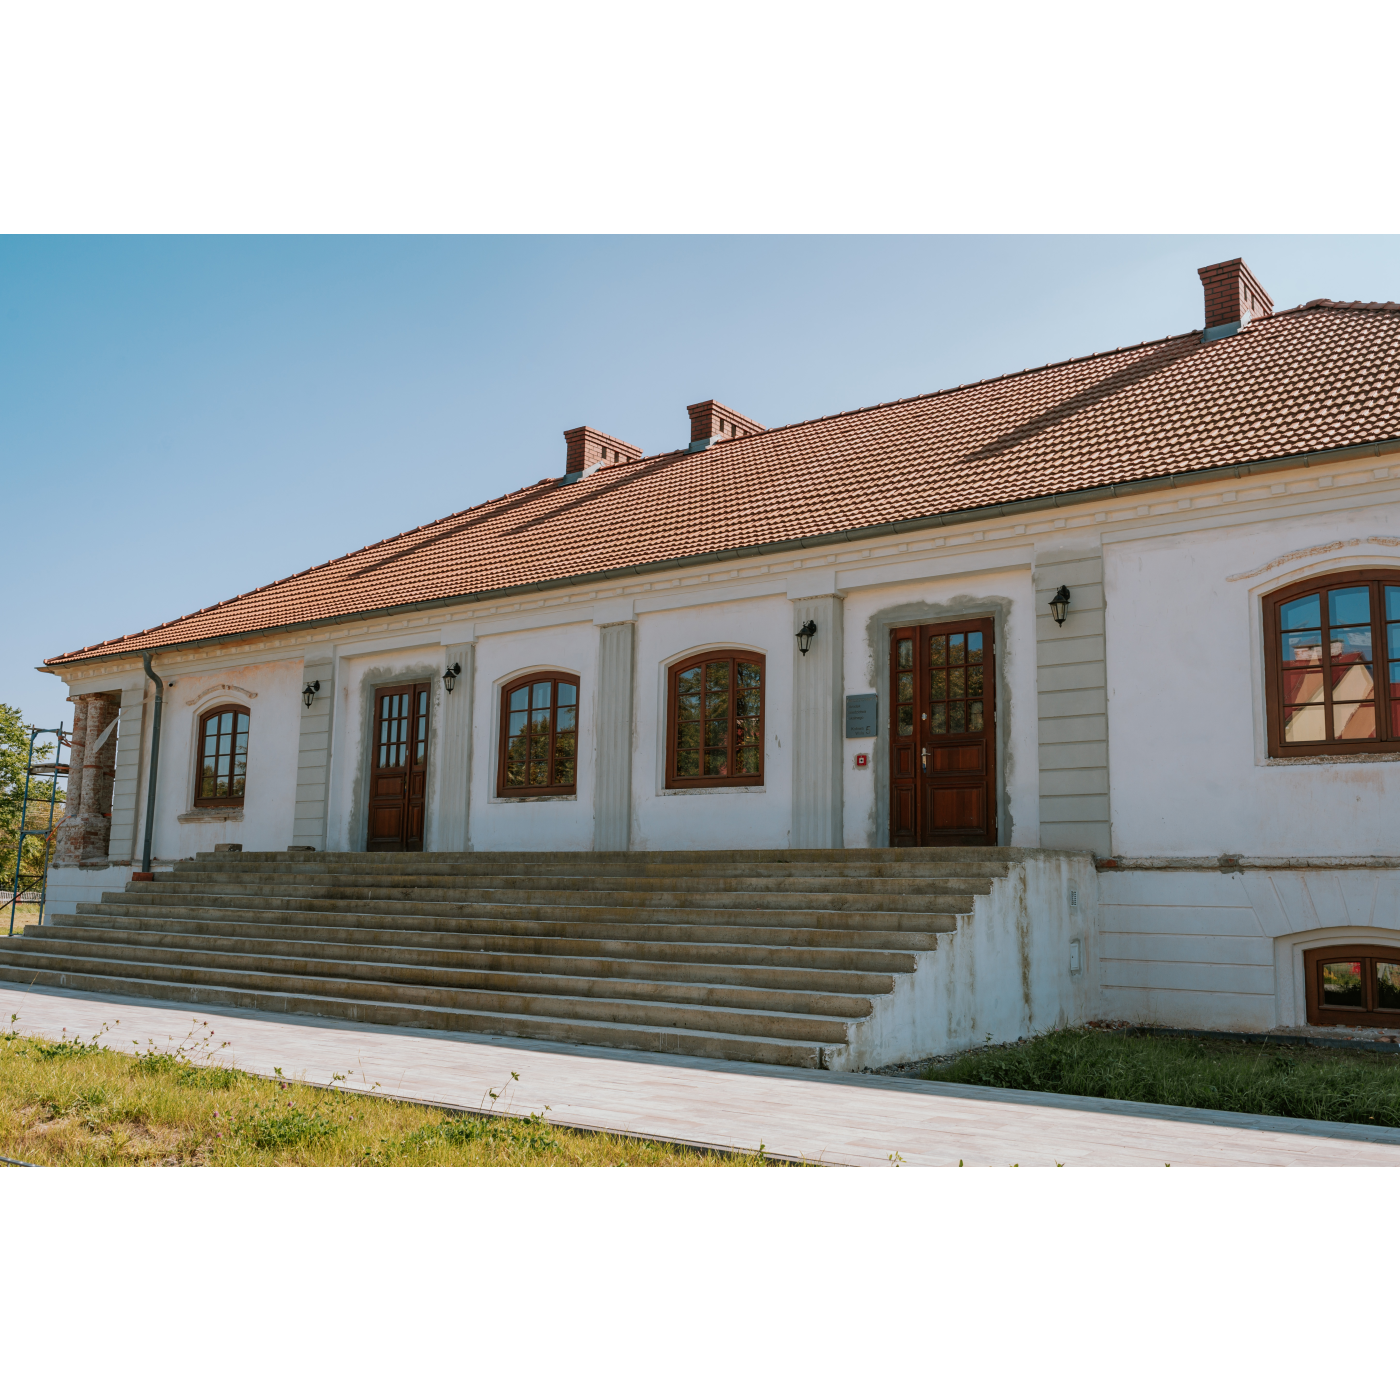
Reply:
x=1222, y=950
x=713, y=818
x=1189, y=768
x=867, y=662
x=532, y=824
x=273, y=729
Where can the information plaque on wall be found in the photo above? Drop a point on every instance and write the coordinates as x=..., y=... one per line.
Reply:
x=862, y=716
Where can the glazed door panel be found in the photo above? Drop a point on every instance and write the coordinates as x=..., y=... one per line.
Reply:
x=943, y=735
x=398, y=780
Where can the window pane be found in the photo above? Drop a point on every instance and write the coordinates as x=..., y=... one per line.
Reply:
x=422, y=702
x=539, y=695
x=957, y=652
x=748, y=761
x=688, y=707
x=520, y=699
x=717, y=675
x=1341, y=984
x=906, y=687
x=1349, y=605
x=688, y=763
x=539, y=775
x=938, y=685
x=539, y=748
x=568, y=694
x=1305, y=725
x=938, y=651
x=1350, y=644
x=688, y=682
x=1301, y=612
x=904, y=654
x=1395, y=699
x=563, y=771
x=957, y=683
x=747, y=702
x=904, y=720
x=1392, y=604
x=957, y=718
x=974, y=680
x=241, y=723
x=716, y=704
x=688, y=736
x=565, y=746
x=938, y=719
x=1387, y=986
x=1302, y=648
x=516, y=722
x=1392, y=636
x=1354, y=721
x=567, y=719
x=206, y=784
x=748, y=731
x=716, y=764
x=974, y=646
x=749, y=674
x=974, y=716
x=1302, y=687
x=515, y=775
x=717, y=734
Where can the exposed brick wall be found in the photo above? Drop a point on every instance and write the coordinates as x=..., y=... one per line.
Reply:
x=587, y=446
x=87, y=821
x=712, y=419
x=1233, y=293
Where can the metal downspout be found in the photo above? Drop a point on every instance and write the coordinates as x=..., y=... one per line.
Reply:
x=155, y=763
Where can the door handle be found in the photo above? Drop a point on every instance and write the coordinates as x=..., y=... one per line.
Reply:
x=925, y=760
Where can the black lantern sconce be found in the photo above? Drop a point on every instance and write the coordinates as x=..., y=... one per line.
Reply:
x=1059, y=606
x=308, y=693
x=804, y=637
x=449, y=676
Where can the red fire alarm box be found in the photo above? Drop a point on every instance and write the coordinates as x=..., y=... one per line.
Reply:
x=862, y=760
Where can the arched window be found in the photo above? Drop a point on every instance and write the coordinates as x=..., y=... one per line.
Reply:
x=715, y=721
x=223, y=757
x=1333, y=664
x=1354, y=984
x=539, y=736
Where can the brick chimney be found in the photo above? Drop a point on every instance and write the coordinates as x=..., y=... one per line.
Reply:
x=1233, y=298
x=588, y=449
x=712, y=422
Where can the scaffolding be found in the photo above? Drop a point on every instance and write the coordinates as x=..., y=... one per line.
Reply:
x=27, y=828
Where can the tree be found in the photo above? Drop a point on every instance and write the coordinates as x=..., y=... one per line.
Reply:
x=14, y=755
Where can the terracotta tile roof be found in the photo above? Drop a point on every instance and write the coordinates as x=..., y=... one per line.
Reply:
x=1323, y=375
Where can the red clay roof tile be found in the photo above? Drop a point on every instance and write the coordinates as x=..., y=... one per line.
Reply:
x=1324, y=375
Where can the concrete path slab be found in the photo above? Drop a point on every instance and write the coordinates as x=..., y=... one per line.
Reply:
x=838, y=1119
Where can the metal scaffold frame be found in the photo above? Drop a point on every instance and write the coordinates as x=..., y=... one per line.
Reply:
x=55, y=770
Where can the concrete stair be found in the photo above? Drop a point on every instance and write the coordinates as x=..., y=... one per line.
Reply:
x=773, y=956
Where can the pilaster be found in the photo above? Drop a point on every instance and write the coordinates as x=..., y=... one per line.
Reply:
x=612, y=775
x=126, y=784
x=1072, y=703
x=314, y=754
x=451, y=831
x=818, y=694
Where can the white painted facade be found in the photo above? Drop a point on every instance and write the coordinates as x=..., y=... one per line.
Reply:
x=1135, y=732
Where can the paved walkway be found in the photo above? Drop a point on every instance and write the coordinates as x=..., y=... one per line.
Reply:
x=849, y=1119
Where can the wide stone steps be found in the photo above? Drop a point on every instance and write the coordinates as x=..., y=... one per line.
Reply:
x=768, y=956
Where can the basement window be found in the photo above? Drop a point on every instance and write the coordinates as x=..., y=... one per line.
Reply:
x=1353, y=985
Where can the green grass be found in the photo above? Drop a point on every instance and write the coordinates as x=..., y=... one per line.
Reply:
x=75, y=1103
x=1339, y=1086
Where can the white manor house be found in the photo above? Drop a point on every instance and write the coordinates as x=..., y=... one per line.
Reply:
x=1072, y=694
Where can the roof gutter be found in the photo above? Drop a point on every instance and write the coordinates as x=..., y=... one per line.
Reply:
x=1165, y=482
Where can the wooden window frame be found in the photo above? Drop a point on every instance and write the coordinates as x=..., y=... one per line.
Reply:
x=1387, y=738
x=1367, y=954
x=508, y=688
x=702, y=659
x=204, y=720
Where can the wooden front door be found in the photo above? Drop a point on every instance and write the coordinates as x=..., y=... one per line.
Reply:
x=943, y=735
x=398, y=779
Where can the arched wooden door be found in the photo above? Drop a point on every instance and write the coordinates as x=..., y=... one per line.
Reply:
x=398, y=780
x=943, y=735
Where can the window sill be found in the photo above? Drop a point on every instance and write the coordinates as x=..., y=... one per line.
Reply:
x=707, y=791
x=1325, y=759
x=212, y=814
x=545, y=797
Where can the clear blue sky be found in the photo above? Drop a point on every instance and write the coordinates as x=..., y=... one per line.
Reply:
x=183, y=419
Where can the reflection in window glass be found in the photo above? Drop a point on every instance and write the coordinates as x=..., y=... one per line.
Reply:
x=1301, y=612
x=1348, y=605
x=1387, y=986
x=541, y=736
x=1341, y=984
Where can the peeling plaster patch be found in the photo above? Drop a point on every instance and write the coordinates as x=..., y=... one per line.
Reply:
x=1317, y=550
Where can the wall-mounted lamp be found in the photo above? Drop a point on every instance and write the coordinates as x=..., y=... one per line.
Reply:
x=449, y=676
x=804, y=637
x=1059, y=606
x=308, y=692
